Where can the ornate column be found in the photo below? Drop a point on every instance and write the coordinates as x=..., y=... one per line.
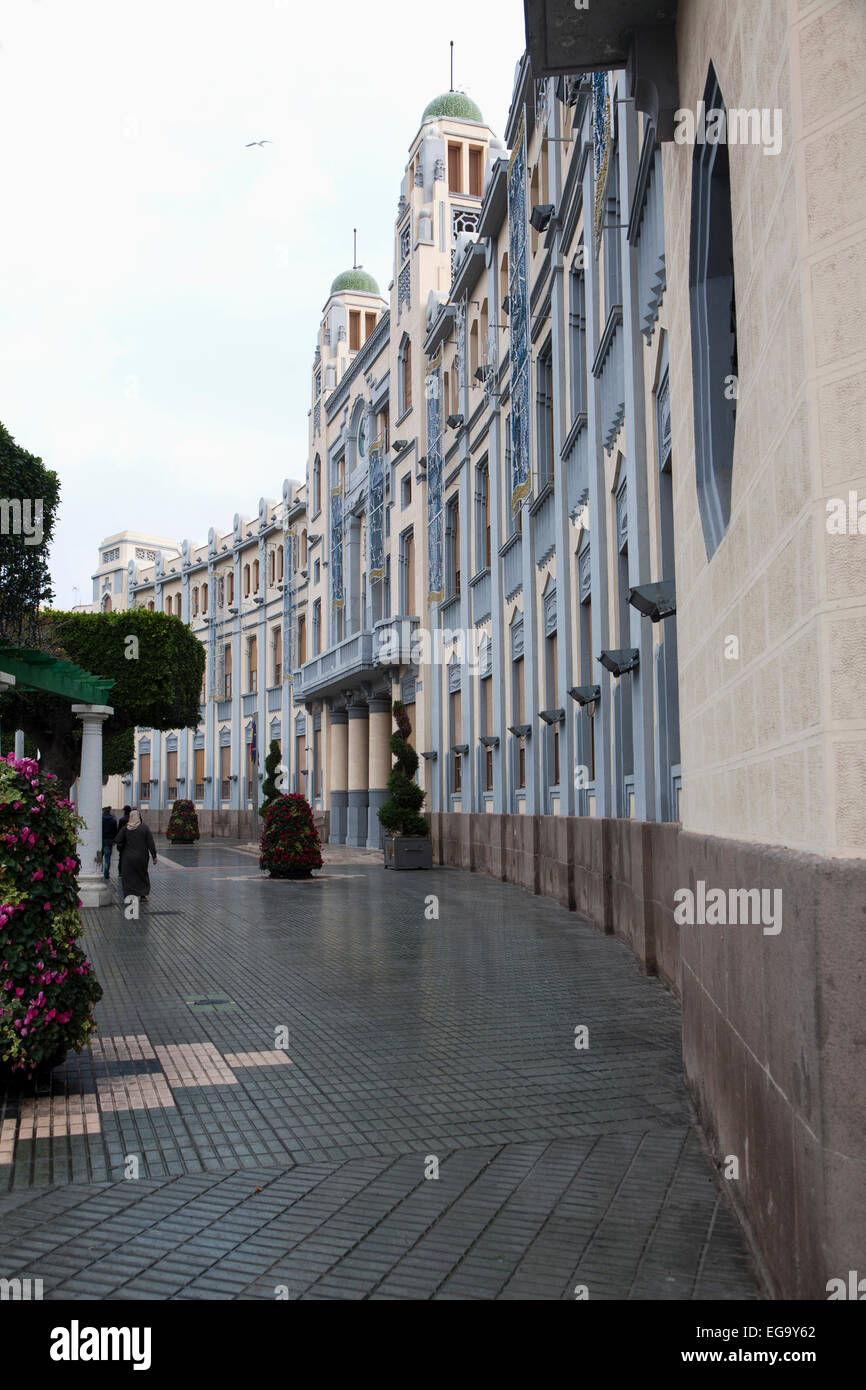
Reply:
x=93, y=889
x=339, y=775
x=379, y=764
x=358, y=789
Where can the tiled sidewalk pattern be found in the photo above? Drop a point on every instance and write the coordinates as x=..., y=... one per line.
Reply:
x=306, y=1174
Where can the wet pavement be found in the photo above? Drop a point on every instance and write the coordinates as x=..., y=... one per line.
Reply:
x=363, y=1085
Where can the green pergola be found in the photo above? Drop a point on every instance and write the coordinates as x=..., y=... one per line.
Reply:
x=37, y=671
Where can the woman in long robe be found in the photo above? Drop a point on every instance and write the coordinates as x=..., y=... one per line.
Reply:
x=136, y=843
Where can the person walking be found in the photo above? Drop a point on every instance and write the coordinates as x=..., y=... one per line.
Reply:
x=123, y=820
x=135, y=843
x=109, y=830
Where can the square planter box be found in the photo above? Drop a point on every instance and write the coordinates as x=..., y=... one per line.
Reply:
x=408, y=852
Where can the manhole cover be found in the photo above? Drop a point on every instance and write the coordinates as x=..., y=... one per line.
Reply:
x=204, y=1002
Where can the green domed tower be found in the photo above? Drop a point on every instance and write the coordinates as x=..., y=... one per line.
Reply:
x=358, y=281
x=456, y=105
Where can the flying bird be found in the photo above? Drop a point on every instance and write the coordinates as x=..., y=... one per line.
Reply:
x=258, y=142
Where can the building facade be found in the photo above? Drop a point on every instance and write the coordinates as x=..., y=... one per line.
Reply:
x=581, y=491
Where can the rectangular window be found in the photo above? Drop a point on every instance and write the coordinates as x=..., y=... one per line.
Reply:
x=455, y=168
x=456, y=727
x=278, y=655
x=225, y=773
x=302, y=640
x=300, y=762
x=227, y=673
x=354, y=329
x=171, y=775
x=406, y=491
x=317, y=762
x=144, y=776
x=476, y=170
x=409, y=596
x=253, y=665
x=544, y=419
x=519, y=702
x=199, y=774
x=369, y=325
x=577, y=342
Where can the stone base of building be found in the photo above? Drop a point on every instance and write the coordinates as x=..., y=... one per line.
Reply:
x=772, y=1023
x=212, y=825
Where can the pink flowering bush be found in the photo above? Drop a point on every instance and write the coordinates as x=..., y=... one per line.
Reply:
x=47, y=986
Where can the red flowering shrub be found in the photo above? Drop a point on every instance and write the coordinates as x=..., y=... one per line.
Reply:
x=290, y=846
x=182, y=824
x=47, y=986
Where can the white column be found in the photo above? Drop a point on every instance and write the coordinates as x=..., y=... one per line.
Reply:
x=92, y=888
x=19, y=743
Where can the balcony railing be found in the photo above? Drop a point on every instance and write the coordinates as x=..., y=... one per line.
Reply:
x=199, y=791
x=275, y=695
x=224, y=709
x=250, y=703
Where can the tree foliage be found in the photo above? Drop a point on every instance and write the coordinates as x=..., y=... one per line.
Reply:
x=157, y=666
x=270, y=789
x=290, y=845
x=25, y=581
x=401, y=813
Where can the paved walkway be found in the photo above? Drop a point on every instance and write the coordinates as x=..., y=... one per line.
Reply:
x=281, y=1069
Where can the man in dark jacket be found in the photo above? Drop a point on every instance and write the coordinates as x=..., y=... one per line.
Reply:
x=109, y=830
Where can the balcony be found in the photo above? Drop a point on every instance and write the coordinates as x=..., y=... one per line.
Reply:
x=275, y=694
x=364, y=656
x=250, y=703
x=224, y=709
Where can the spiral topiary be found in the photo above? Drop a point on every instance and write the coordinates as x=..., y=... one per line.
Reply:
x=401, y=813
x=47, y=986
x=290, y=846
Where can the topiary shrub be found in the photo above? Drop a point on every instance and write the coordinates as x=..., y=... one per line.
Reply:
x=47, y=986
x=401, y=813
x=182, y=824
x=290, y=846
x=270, y=787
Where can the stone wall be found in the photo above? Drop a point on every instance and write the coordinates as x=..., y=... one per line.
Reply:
x=772, y=1024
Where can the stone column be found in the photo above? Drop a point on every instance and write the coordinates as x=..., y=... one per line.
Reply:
x=358, y=779
x=339, y=775
x=19, y=743
x=379, y=764
x=92, y=888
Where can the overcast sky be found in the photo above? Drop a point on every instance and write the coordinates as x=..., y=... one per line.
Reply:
x=160, y=284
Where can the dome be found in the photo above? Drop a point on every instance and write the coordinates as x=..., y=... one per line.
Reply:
x=358, y=280
x=457, y=105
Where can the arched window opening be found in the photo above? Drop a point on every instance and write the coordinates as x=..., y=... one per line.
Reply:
x=712, y=302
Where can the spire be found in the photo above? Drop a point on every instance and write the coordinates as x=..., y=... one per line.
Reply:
x=355, y=253
x=452, y=66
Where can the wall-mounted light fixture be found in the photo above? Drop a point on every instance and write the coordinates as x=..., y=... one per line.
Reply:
x=620, y=660
x=541, y=215
x=520, y=730
x=552, y=716
x=585, y=694
x=398, y=445
x=454, y=421
x=654, y=601
x=489, y=740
